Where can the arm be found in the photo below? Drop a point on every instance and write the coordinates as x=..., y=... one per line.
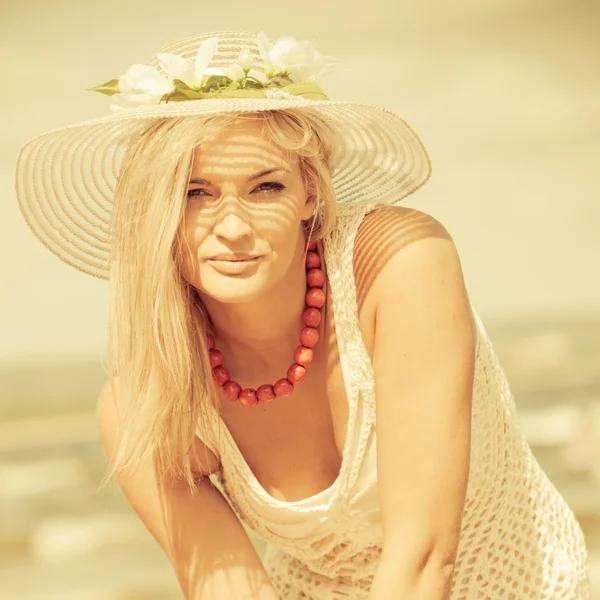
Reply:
x=423, y=357
x=211, y=554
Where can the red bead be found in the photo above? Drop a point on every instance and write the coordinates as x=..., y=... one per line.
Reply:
x=311, y=246
x=232, y=390
x=248, y=398
x=303, y=355
x=315, y=297
x=312, y=260
x=315, y=278
x=216, y=358
x=283, y=388
x=221, y=375
x=296, y=373
x=265, y=393
x=311, y=317
x=309, y=337
x=210, y=341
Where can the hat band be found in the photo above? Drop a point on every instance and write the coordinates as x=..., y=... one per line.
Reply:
x=305, y=89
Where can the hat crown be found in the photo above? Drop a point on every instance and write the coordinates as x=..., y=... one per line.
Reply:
x=228, y=49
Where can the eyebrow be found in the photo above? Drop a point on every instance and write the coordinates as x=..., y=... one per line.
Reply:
x=254, y=177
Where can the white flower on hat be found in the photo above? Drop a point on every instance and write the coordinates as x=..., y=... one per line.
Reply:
x=237, y=71
x=298, y=60
x=288, y=65
x=190, y=72
x=141, y=84
x=245, y=59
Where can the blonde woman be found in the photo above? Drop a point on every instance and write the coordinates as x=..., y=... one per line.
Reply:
x=290, y=353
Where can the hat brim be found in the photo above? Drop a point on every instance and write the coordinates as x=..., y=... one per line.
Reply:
x=65, y=179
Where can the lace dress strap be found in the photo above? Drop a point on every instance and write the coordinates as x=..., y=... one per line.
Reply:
x=356, y=364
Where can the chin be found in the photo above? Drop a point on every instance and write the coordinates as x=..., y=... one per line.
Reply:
x=233, y=290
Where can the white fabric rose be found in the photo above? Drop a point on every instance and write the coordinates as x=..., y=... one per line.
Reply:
x=190, y=72
x=172, y=64
x=141, y=84
x=300, y=60
x=245, y=59
x=237, y=71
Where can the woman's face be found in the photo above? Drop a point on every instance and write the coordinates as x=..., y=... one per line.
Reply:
x=245, y=204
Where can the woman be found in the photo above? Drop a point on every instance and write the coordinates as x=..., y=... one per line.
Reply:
x=289, y=351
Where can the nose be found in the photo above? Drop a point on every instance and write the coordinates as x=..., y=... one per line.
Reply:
x=232, y=222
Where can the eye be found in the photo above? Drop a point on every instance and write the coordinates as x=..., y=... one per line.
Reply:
x=270, y=186
x=195, y=193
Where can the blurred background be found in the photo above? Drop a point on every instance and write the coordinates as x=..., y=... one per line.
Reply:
x=505, y=94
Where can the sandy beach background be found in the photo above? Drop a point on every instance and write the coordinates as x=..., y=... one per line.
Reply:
x=505, y=96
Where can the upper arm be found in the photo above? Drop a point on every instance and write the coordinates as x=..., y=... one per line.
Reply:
x=423, y=359
x=208, y=547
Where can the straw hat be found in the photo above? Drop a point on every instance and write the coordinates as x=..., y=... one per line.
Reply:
x=65, y=179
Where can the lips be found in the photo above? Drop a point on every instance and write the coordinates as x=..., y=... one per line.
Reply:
x=231, y=265
x=233, y=258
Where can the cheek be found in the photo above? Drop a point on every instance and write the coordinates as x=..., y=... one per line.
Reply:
x=193, y=235
x=281, y=223
x=281, y=236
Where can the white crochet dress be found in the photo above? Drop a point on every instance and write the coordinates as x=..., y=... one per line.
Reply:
x=519, y=539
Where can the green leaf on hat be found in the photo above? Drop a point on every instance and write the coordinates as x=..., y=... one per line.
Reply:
x=175, y=96
x=181, y=88
x=241, y=93
x=215, y=82
x=110, y=88
x=280, y=80
x=254, y=84
x=306, y=89
x=179, y=96
x=181, y=85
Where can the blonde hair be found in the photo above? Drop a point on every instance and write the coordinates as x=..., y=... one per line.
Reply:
x=156, y=341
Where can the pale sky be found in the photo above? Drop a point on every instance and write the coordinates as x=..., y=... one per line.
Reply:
x=505, y=95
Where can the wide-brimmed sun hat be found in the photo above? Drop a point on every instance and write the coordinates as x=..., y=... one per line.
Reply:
x=65, y=179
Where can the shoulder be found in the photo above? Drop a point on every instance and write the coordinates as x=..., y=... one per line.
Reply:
x=419, y=310
x=395, y=244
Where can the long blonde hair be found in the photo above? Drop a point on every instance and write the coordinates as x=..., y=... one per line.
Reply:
x=156, y=321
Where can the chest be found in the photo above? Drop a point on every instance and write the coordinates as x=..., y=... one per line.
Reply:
x=294, y=446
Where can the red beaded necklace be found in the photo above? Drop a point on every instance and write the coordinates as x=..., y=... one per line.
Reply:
x=309, y=336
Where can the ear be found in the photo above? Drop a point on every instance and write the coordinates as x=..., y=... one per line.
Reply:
x=308, y=210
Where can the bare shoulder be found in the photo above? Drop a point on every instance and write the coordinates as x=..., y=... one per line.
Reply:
x=204, y=461
x=391, y=239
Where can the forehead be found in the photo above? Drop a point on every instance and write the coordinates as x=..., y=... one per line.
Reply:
x=243, y=148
